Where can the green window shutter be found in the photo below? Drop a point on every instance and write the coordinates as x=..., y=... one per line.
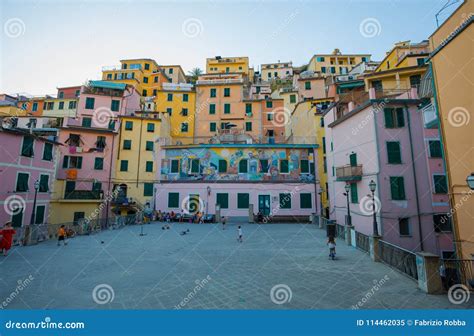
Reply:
x=173, y=200
x=394, y=152
x=149, y=166
x=27, y=147
x=213, y=93
x=97, y=186
x=124, y=165
x=388, y=114
x=307, y=85
x=324, y=144
x=44, y=183
x=284, y=167
x=149, y=146
x=98, y=163
x=184, y=127
x=400, y=117
x=264, y=166
x=243, y=166
x=150, y=127
x=248, y=108
x=293, y=99
x=304, y=166
x=212, y=108
x=147, y=189
x=195, y=166
x=325, y=165
x=226, y=92
x=128, y=125
x=185, y=97
x=48, y=151
x=353, y=159
x=39, y=214
x=435, y=149
x=440, y=184
x=175, y=166
x=354, y=194
x=305, y=201
x=226, y=108
x=86, y=122
x=17, y=218
x=115, y=105
x=22, y=182
x=90, y=103
x=269, y=104
x=170, y=97
x=248, y=126
x=397, y=188
x=79, y=162
x=111, y=124
x=223, y=200
x=243, y=201
x=222, y=166
x=285, y=201
x=127, y=144
x=212, y=127
x=66, y=161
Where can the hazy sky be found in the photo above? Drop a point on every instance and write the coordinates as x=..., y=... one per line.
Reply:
x=49, y=44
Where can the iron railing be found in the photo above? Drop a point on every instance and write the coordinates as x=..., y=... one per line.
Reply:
x=458, y=271
x=340, y=231
x=400, y=259
x=362, y=242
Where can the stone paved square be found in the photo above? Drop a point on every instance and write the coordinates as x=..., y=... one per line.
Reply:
x=205, y=269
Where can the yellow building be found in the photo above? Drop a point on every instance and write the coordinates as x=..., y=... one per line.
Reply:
x=400, y=70
x=336, y=63
x=306, y=126
x=178, y=101
x=136, y=172
x=175, y=73
x=220, y=64
x=452, y=69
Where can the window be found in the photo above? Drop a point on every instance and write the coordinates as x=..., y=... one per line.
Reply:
x=44, y=183
x=404, y=226
x=111, y=124
x=212, y=127
x=124, y=165
x=173, y=200
x=34, y=108
x=420, y=61
x=174, y=166
x=212, y=108
x=147, y=66
x=269, y=104
x=169, y=110
x=100, y=143
x=324, y=144
x=155, y=92
x=98, y=163
x=305, y=201
x=394, y=117
x=86, y=122
x=115, y=105
x=195, y=166
x=320, y=59
x=353, y=159
x=440, y=184
x=129, y=125
x=90, y=103
x=170, y=97
x=323, y=69
x=155, y=79
x=333, y=70
x=397, y=188
x=96, y=186
x=284, y=167
x=394, y=152
x=72, y=104
x=184, y=112
x=127, y=144
x=22, y=182
x=145, y=79
x=269, y=116
x=285, y=201
x=415, y=81
x=78, y=216
x=325, y=164
x=264, y=165
x=213, y=93
x=185, y=97
x=226, y=108
x=150, y=127
x=442, y=223
x=72, y=162
x=248, y=108
x=353, y=193
x=435, y=148
x=248, y=126
x=307, y=85
x=39, y=214
x=223, y=200
x=61, y=105
x=364, y=59
x=222, y=166
x=70, y=186
x=243, y=201
x=226, y=92
x=48, y=151
x=292, y=99
x=377, y=85
x=27, y=146
x=243, y=166
x=17, y=218
x=170, y=71
x=144, y=93
x=304, y=167
x=147, y=189
x=149, y=146
x=184, y=127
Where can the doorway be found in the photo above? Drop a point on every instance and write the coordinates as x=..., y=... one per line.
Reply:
x=264, y=204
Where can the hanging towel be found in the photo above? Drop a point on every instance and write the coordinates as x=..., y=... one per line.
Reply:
x=72, y=149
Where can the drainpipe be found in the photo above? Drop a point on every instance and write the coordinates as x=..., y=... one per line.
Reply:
x=377, y=174
x=140, y=149
x=315, y=183
x=107, y=201
x=420, y=231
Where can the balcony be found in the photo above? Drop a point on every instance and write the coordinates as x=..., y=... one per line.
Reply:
x=349, y=173
x=220, y=81
x=83, y=195
x=430, y=118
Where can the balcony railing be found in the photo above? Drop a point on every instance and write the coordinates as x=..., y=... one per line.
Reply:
x=349, y=173
x=219, y=81
x=83, y=195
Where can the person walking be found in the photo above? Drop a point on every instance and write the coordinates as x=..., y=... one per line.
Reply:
x=6, y=240
x=62, y=235
x=240, y=234
x=332, y=247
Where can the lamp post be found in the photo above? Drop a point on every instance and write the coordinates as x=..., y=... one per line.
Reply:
x=207, y=199
x=33, y=212
x=372, y=187
x=470, y=181
x=29, y=230
x=347, y=187
x=320, y=193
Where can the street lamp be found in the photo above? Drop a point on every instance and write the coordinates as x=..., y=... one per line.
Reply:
x=33, y=212
x=470, y=181
x=320, y=193
x=372, y=187
x=347, y=187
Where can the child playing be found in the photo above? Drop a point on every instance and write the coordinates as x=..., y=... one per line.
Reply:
x=7, y=234
x=332, y=247
x=224, y=221
x=62, y=235
x=239, y=232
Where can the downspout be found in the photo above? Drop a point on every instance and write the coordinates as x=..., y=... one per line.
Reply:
x=420, y=231
x=377, y=174
x=315, y=183
x=139, y=150
x=110, y=180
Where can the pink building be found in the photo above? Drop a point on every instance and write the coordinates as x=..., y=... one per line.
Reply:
x=26, y=161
